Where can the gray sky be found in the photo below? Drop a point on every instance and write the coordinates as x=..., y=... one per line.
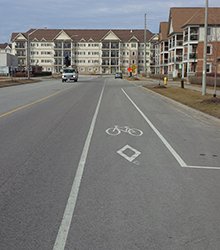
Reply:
x=21, y=15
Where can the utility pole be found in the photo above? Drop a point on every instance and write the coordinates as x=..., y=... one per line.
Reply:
x=28, y=56
x=145, y=40
x=29, y=53
x=205, y=50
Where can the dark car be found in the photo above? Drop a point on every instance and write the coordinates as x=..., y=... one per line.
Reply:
x=118, y=75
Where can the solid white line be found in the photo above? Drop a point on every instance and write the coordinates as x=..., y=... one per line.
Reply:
x=71, y=203
x=165, y=142
x=202, y=167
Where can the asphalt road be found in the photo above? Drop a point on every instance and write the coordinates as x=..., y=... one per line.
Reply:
x=105, y=164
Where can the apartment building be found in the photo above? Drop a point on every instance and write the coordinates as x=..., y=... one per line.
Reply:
x=5, y=47
x=92, y=51
x=8, y=61
x=181, y=42
x=193, y=43
x=154, y=56
x=162, y=49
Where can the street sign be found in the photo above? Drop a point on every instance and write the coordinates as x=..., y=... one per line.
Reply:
x=134, y=67
x=129, y=69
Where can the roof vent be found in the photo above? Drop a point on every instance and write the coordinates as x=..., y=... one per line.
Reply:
x=131, y=31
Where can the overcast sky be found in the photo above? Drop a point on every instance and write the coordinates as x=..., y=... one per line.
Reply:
x=21, y=15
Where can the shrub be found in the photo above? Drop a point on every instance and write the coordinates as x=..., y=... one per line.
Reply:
x=158, y=76
x=43, y=73
x=20, y=74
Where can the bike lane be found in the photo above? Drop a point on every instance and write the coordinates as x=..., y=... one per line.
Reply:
x=132, y=190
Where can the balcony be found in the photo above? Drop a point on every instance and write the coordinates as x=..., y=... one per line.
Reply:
x=194, y=37
x=192, y=56
x=105, y=63
x=67, y=45
x=21, y=53
x=185, y=37
x=114, y=54
x=179, y=43
x=58, y=55
x=58, y=46
x=105, y=45
x=179, y=58
x=20, y=46
x=114, y=45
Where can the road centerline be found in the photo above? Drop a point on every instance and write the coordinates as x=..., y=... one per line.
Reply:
x=30, y=104
x=157, y=132
x=71, y=203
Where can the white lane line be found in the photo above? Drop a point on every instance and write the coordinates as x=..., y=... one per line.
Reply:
x=202, y=167
x=71, y=203
x=165, y=142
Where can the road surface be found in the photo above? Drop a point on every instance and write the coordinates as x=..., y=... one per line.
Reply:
x=105, y=164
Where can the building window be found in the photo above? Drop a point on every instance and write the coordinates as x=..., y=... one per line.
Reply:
x=209, y=49
x=208, y=68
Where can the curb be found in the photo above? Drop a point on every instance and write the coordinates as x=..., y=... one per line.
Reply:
x=204, y=115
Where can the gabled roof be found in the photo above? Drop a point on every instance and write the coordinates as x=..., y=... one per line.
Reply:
x=82, y=40
x=17, y=34
x=163, y=31
x=5, y=45
x=155, y=38
x=178, y=17
x=199, y=17
x=126, y=35
x=62, y=35
x=110, y=35
x=77, y=34
x=134, y=38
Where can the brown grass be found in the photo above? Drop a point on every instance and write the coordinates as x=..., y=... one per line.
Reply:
x=7, y=83
x=192, y=98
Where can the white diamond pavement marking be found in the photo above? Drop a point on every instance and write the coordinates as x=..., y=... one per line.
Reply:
x=127, y=157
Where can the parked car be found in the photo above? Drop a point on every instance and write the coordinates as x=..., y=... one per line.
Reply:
x=118, y=75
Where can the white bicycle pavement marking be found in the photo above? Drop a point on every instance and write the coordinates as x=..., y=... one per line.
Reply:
x=116, y=130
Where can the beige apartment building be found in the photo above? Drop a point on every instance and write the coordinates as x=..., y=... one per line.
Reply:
x=8, y=61
x=92, y=51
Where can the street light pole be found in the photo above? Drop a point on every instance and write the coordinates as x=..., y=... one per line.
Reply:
x=205, y=50
x=29, y=52
x=145, y=40
x=28, y=56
